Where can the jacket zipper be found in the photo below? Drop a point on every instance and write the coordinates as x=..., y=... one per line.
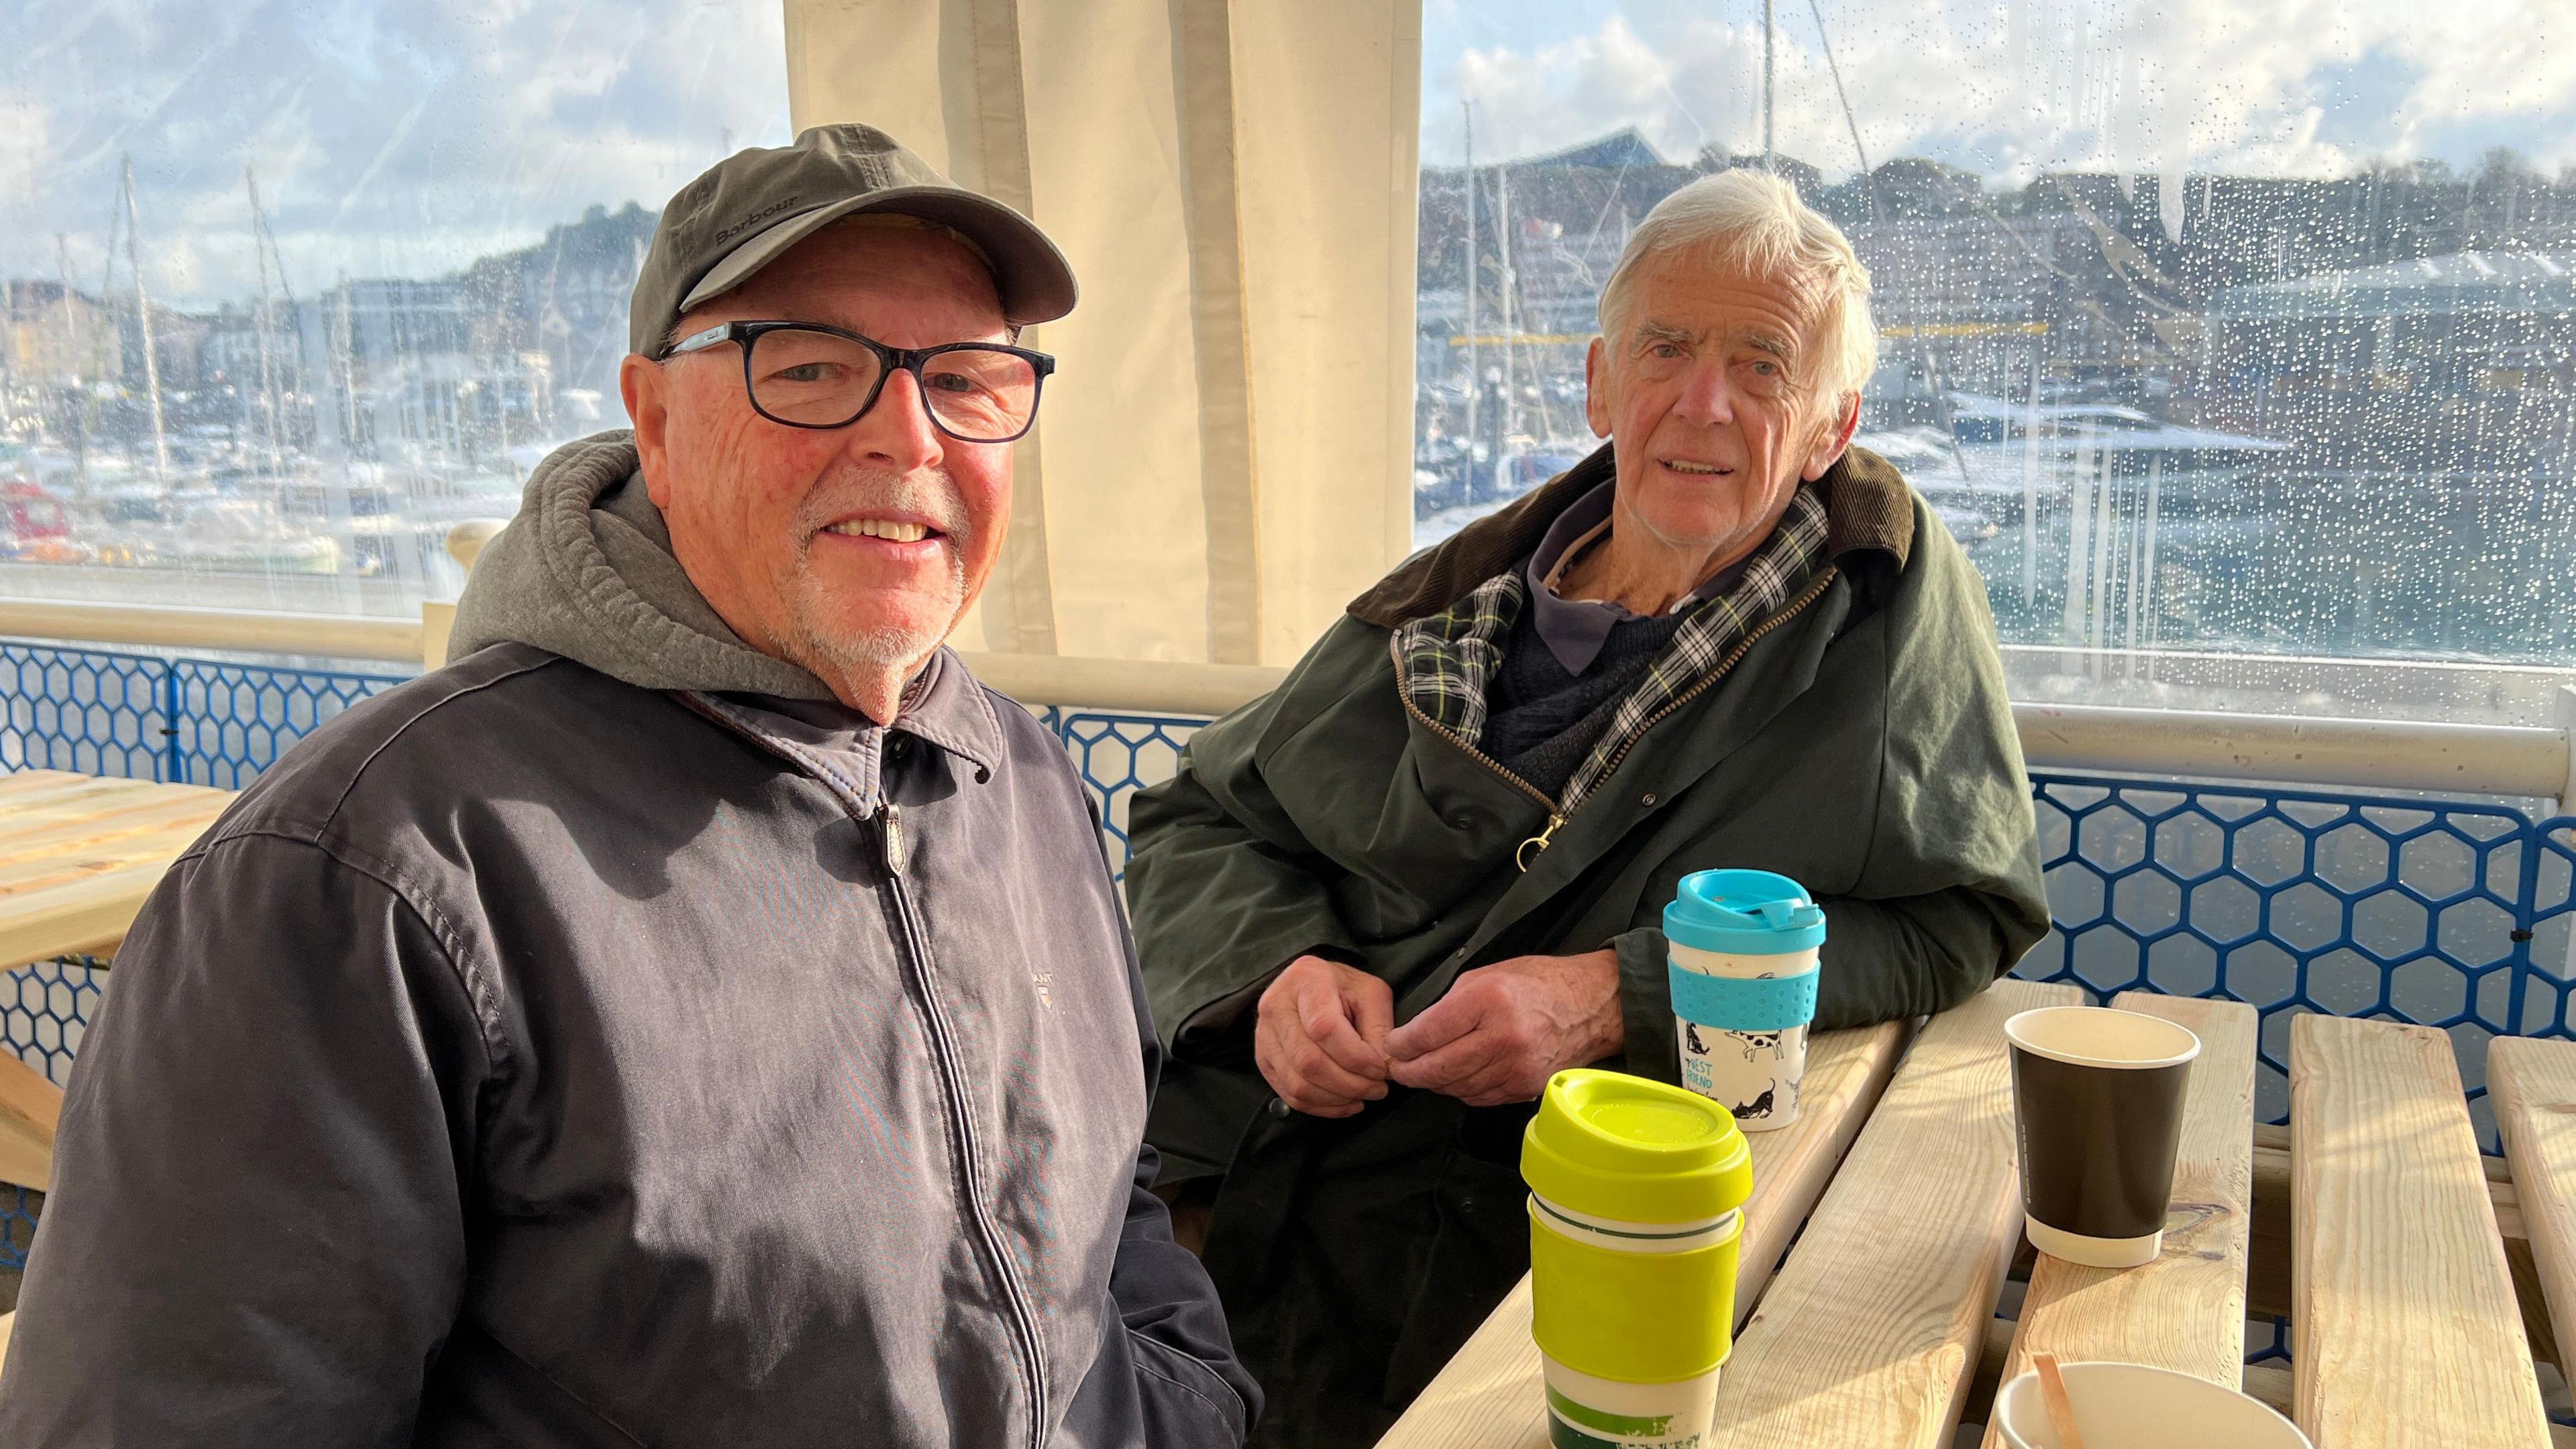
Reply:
x=1537, y=844
x=943, y=1048
x=1480, y=757
x=1023, y=1314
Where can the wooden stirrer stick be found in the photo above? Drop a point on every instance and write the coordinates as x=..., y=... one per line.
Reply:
x=2052, y=1391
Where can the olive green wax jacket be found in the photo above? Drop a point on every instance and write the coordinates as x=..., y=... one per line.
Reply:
x=1858, y=742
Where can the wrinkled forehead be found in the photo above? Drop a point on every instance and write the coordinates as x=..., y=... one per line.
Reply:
x=1706, y=293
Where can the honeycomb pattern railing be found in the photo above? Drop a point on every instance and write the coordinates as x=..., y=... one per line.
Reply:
x=181, y=721
x=45, y=1008
x=81, y=709
x=2449, y=914
x=1118, y=755
x=2454, y=914
x=234, y=720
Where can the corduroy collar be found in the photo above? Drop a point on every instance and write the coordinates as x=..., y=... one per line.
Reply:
x=1868, y=508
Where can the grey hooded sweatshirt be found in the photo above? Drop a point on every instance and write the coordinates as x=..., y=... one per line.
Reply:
x=609, y=1039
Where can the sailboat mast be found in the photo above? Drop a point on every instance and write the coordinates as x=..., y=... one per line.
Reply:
x=1770, y=49
x=1511, y=314
x=1475, y=368
x=143, y=323
x=265, y=322
x=81, y=401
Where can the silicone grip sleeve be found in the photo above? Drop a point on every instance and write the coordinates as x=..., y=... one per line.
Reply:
x=1734, y=1003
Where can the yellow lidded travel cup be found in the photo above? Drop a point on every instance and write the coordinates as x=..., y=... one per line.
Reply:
x=1635, y=1196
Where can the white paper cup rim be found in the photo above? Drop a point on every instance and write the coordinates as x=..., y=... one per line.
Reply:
x=2180, y=1389
x=2102, y=1036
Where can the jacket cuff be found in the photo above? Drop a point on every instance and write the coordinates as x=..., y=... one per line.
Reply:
x=1646, y=1005
x=1206, y=1030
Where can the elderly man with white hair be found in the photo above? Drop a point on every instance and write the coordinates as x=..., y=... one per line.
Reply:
x=1380, y=907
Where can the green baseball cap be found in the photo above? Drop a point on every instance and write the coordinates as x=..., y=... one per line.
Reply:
x=749, y=208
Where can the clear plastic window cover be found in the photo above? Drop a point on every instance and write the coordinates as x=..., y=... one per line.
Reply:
x=293, y=288
x=2209, y=332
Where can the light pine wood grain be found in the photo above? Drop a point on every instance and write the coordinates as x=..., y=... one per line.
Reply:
x=1489, y=1397
x=121, y=817
x=30, y=785
x=2532, y=1085
x=2408, y=1332
x=29, y=1108
x=20, y=782
x=2267, y=1273
x=81, y=799
x=1871, y=1331
x=2186, y=1310
x=79, y=855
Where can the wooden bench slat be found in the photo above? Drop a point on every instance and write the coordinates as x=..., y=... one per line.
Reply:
x=1870, y=1333
x=1488, y=1396
x=2186, y=1310
x=2267, y=1276
x=157, y=844
x=18, y=784
x=2407, y=1329
x=30, y=1106
x=78, y=855
x=68, y=796
x=2532, y=1085
x=119, y=826
x=87, y=915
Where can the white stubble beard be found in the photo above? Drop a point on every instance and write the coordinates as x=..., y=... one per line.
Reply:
x=891, y=645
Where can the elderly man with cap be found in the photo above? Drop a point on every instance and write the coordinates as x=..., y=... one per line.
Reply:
x=701, y=1013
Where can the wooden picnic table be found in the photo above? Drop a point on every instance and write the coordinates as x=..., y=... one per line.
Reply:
x=78, y=854
x=1896, y=1201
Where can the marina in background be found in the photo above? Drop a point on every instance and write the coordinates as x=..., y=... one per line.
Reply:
x=2319, y=417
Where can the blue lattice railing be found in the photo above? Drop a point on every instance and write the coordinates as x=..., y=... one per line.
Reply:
x=184, y=721
x=2448, y=913
x=2454, y=914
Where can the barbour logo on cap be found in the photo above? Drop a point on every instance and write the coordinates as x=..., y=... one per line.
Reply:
x=783, y=204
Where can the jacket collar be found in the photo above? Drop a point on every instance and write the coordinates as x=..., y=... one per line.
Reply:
x=943, y=705
x=1868, y=509
x=950, y=709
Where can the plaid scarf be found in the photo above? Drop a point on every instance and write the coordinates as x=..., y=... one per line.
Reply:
x=1446, y=662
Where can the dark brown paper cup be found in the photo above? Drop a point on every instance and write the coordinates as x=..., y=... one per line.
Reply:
x=2097, y=1101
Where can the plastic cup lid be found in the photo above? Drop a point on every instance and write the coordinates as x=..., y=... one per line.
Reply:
x=1633, y=1150
x=1745, y=913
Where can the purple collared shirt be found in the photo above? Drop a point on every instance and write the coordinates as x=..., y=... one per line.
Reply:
x=1575, y=629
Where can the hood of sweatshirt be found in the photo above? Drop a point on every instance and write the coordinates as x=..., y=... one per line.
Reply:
x=586, y=571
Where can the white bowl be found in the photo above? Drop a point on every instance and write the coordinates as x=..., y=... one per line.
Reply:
x=2132, y=1406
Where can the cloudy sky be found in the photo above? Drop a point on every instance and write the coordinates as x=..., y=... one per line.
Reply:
x=400, y=137
x=406, y=137
x=2007, y=87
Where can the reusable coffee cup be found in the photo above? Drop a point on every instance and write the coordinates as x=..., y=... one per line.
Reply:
x=1636, y=1198
x=2097, y=1101
x=2132, y=1406
x=1741, y=947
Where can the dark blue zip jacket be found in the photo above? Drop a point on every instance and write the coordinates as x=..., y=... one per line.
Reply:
x=540, y=1057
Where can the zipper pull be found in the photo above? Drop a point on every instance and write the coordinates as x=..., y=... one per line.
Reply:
x=890, y=834
x=1523, y=856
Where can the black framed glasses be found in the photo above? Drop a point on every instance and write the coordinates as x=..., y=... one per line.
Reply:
x=807, y=375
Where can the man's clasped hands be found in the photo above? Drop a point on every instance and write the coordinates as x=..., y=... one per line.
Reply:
x=1327, y=1042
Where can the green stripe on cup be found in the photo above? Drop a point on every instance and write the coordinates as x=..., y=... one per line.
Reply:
x=1609, y=1423
x=1549, y=1209
x=1562, y=1435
